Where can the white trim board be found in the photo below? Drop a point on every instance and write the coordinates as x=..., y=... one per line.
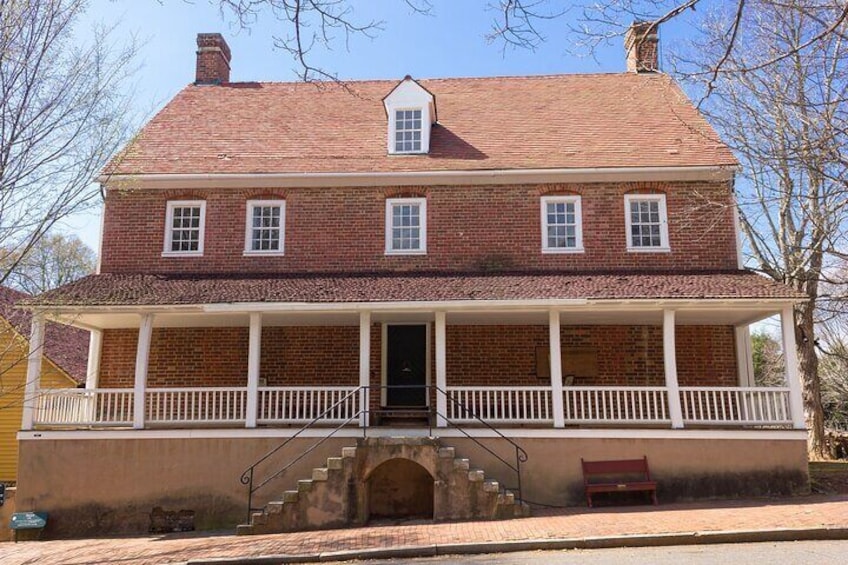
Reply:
x=422, y=178
x=352, y=432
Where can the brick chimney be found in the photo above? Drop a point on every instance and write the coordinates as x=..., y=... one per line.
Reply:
x=642, y=48
x=213, y=59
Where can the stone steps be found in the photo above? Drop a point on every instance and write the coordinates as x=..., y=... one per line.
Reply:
x=336, y=494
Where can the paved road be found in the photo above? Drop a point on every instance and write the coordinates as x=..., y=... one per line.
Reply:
x=785, y=553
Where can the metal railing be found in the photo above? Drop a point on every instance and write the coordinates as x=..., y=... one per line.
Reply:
x=249, y=479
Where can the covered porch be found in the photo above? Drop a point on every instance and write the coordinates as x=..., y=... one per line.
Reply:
x=543, y=364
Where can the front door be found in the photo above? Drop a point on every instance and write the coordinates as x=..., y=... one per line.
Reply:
x=406, y=365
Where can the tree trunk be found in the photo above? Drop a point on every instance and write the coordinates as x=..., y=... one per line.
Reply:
x=808, y=365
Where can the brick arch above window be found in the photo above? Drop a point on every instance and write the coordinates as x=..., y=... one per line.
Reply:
x=182, y=194
x=405, y=192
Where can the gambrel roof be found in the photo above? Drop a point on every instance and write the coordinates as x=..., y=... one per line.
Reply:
x=501, y=123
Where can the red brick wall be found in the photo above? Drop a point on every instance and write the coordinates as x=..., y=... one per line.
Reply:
x=476, y=355
x=469, y=228
x=627, y=355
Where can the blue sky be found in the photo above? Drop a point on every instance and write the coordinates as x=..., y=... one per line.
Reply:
x=449, y=43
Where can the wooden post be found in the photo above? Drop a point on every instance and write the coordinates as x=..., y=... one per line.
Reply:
x=95, y=344
x=364, y=367
x=441, y=370
x=556, y=369
x=790, y=360
x=142, y=359
x=254, y=354
x=744, y=358
x=33, y=374
x=670, y=363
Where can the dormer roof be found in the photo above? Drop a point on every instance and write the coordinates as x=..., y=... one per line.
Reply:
x=409, y=92
x=499, y=123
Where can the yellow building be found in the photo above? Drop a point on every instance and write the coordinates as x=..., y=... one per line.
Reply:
x=64, y=366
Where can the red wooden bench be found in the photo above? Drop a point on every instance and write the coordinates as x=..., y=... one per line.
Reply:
x=635, y=473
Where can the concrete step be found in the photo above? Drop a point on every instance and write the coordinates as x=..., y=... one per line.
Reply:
x=476, y=475
x=335, y=463
x=447, y=453
x=244, y=529
x=462, y=464
x=258, y=519
x=290, y=496
x=320, y=474
x=304, y=485
x=274, y=507
x=491, y=486
x=348, y=452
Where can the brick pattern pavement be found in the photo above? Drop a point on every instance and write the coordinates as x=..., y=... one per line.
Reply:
x=764, y=514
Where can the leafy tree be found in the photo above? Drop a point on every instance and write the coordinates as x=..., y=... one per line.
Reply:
x=64, y=111
x=54, y=260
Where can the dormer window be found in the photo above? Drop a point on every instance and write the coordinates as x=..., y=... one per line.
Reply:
x=408, y=131
x=411, y=112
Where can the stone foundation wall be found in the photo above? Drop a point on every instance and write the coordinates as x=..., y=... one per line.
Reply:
x=116, y=483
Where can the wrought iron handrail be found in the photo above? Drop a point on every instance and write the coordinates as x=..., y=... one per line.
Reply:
x=247, y=477
x=520, y=454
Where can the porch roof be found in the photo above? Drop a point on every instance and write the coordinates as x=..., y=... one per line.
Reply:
x=317, y=288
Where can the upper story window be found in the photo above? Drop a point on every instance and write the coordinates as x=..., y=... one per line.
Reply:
x=265, y=227
x=411, y=112
x=408, y=131
x=562, y=230
x=184, y=227
x=406, y=226
x=647, y=222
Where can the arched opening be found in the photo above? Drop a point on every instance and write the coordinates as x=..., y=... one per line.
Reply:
x=400, y=488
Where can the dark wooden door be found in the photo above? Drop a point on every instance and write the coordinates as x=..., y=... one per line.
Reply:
x=406, y=365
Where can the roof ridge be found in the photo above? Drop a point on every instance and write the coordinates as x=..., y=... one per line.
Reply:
x=544, y=76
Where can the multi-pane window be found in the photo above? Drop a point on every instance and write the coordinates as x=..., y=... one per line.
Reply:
x=407, y=131
x=266, y=220
x=647, y=225
x=561, y=224
x=406, y=226
x=184, y=224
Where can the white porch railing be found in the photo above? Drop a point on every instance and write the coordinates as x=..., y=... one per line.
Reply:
x=506, y=404
x=84, y=407
x=300, y=405
x=628, y=406
x=735, y=405
x=616, y=405
x=195, y=405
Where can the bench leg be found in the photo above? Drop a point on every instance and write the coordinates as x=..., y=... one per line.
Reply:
x=654, y=497
x=589, y=499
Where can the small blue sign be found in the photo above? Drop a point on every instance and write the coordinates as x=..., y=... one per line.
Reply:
x=28, y=520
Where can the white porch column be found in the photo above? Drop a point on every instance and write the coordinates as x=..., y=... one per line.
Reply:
x=33, y=374
x=95, y=344
x=254, y=353
x=441, y=370
x=790, y=360
x=556, y=369
x=744, y=355
x=670, y=363
x=142, y=358
x=364, y=367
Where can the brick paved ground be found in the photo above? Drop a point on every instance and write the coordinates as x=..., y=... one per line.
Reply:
x=764, y=514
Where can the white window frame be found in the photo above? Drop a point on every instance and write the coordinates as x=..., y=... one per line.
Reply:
x=660, y=198
x=393, y=131
x=248, y=227
x=578, y=223
x=169, y=221
x=422, y=235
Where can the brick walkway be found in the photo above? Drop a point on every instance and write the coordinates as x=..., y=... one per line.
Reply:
x=764, y=514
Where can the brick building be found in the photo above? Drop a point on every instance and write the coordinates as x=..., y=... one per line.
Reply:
x=554, y=257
